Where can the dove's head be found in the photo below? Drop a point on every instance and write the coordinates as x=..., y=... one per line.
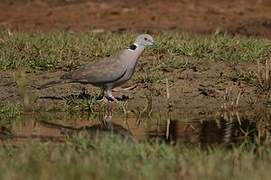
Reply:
x=144, y=40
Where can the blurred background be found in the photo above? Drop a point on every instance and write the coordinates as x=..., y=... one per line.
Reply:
x=246, y=17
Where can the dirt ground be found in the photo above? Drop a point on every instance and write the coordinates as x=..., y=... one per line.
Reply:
x=246, y=17
x=201, y=90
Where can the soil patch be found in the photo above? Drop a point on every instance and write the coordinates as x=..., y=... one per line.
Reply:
x=237, y=17
x=203, y=88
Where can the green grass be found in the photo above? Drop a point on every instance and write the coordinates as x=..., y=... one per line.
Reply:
x=110, y=158
x=217, y=47
x=153, y=77
x=63, y=50
x=247, y=77
x=55, y=50
x=9, y=113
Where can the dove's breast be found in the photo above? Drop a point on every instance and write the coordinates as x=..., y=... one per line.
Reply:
x=129, y=58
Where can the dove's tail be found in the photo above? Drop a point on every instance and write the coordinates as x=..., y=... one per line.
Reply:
x=53, y=83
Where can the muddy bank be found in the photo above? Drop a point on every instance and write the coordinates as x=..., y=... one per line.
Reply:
x=204, y=87
x=236, y=17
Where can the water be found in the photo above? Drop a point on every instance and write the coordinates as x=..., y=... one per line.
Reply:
x=223, y=128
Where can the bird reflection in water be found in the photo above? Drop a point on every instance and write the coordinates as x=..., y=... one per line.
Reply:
x=105, y=128
x=102, y=129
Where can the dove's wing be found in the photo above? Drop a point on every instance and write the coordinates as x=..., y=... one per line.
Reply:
x=104, y=71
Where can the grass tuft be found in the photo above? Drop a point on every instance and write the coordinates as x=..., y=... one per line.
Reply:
x=112, y=158
x=66, y=51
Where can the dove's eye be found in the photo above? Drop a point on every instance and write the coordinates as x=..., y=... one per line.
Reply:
x=145, y=39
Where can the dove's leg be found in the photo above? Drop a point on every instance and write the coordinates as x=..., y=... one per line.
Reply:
x=108, y=95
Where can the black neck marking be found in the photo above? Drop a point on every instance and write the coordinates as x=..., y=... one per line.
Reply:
x=132, y=47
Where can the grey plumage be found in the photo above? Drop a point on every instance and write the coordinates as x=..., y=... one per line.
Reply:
x=109, y=72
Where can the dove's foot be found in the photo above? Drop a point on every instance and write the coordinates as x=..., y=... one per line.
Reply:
x=122, y=98
x=111, y=98
x=105, y=99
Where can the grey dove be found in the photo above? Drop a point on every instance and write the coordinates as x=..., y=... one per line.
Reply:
x=109, y=72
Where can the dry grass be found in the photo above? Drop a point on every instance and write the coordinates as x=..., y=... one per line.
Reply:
x=264, y=75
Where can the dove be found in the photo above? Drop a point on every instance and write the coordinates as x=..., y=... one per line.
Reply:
x=109, y=72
